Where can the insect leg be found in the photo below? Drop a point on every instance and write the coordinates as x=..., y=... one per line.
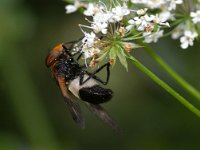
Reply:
x=98, y=79
x=92, y=75
x=79, y=56
x=68, y=46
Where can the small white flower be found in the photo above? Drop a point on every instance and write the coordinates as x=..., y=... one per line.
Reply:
x=187, y=39
x=137, y=21
x=119, y=12
x=131, y=23
x=143, y=22
x=158, y=20
x=92, y=9
x=88, y=46
x=89, y=39
x=100, y=27
x=153, y=37
x=155, y=3
x=165, y=15
x=101, y=17
x=141, y=11
x=100, y=22
x=90, y=52
x=173, y=3
x=71, y=8
x=148, y=18
x=195, y=16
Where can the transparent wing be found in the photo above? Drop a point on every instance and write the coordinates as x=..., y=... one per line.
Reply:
x=103, y=115
x=72, y=104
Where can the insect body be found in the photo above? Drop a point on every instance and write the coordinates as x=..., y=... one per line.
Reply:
x=76, y=82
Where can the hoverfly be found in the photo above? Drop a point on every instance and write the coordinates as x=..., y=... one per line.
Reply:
x=75, y=82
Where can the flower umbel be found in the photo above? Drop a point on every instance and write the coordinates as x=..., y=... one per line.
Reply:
x=119, y=22
x=113, y=25
x=117, y=28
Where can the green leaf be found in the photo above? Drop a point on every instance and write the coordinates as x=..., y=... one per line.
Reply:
x=112, y=54
x=103, y=54
x=122, y=56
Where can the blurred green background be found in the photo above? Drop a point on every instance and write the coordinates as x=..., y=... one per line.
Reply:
x=33, y=114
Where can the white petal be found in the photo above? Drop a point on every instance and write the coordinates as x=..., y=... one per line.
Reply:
x=184, y=45
x=131, y=21
x=70, y=9
x=129, y=27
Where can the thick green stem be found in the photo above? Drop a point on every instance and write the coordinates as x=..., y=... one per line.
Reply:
x=190, y=89
x=165, y=86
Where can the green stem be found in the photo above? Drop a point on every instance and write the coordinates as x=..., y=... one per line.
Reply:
x=190, y=89
x=165, y=86
x=132, y=38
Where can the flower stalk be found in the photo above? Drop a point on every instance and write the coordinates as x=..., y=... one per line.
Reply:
x=184, y=84
x=165, y=86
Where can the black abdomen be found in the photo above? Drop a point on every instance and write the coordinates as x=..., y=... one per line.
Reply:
x=95, y=94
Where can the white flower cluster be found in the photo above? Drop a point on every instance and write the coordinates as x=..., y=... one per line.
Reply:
x=187, y=37
x=187, y=31
x=169, y=4
x=88, y=45
x=103, y=17
x=110, y=22
x=147, y=23
x=184, y=31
